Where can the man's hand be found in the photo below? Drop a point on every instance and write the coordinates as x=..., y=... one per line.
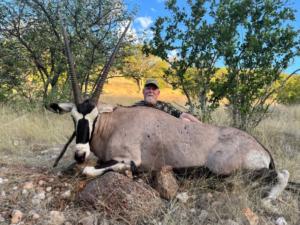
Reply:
x=188, y=117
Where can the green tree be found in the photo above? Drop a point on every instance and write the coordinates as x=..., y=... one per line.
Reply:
x=138, y=66
x=93, y=27
x=185, y=39
x=257, y=43
x=290, y=93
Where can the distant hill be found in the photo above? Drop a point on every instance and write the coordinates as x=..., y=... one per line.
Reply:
x=125, y=92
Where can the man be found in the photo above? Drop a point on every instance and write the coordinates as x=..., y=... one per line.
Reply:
x=151, y=92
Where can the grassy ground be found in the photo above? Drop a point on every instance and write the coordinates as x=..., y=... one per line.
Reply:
x=30, y=141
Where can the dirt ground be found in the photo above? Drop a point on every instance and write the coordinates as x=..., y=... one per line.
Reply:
x=38, y=191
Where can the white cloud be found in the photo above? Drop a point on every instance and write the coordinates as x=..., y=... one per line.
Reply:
x=153, y=10
x=144, y=21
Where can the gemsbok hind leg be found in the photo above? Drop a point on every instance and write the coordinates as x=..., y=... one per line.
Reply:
x=278, y=188
x=227, y=162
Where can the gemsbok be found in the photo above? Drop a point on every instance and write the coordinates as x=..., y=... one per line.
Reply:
x=145, y=138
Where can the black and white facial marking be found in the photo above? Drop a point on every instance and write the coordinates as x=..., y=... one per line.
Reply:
x=84, y=116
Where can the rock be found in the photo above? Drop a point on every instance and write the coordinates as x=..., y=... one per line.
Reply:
x=183, y=197
x=202, y=217
x=3, y=194
x=68, y=223
x=42, y=182
x=2, y=219
x=28, y=185
x=24, y=192
x=281, y=221
x=48, y=189
x=36, y=200
x=120, y=195
x=1, y=180
x=230, y=222
x=165, y=183
x=89, y=220
x=33, y=215
x=268, y=206
x=66, y=194
x=16, y=216
x=251, y=216
x=192, y=210
x=56, y=218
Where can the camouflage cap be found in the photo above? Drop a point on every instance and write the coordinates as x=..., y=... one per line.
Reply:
x=151, y=81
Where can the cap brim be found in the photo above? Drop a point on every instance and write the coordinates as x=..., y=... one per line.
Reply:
x=153, y=84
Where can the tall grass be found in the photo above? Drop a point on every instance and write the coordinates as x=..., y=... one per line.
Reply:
x=23, y=130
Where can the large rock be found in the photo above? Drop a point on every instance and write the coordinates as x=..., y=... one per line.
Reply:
x=165, y=183
x=121, y=197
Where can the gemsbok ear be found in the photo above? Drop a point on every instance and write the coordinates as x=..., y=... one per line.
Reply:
x=60, y=107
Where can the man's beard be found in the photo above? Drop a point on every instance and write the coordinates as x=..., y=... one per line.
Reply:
x=151, y=100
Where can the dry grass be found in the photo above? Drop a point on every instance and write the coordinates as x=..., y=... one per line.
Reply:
x=25, y=132
x=125, y=92
x=29, y=138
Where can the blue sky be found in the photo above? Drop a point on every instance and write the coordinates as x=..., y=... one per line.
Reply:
x=149, y=10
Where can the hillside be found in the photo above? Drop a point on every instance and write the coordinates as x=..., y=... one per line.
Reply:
x=125, y=92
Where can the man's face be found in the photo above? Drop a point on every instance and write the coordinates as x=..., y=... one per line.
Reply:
x=151, y=93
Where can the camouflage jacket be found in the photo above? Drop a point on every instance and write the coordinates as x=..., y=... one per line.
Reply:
x=163, y=106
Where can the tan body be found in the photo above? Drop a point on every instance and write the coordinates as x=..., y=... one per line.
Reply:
x=153, y=139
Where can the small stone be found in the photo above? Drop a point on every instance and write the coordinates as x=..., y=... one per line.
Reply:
x=3, y=194
x=209, y=195
x=33, y=215
x=1, y=180
x=51, y=180
x=2, y=219
x=24, y=192
x=48, y=189
x=68, y=223
x=49, y=199
x=59, y=173
x=56, y=218
x=28, y=185
x=36, y=200
x=40, y=196
x=281, y=221
x=183, y=197
x=89, y=220
x=66, y=194
x=202, y=217
x=15, y=188
x=192, y=210
x=16, y=216
x=230, y=222
x=44, y=152
x=42, y=182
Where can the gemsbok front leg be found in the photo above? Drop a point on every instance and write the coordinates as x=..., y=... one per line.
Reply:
x=116, y=166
